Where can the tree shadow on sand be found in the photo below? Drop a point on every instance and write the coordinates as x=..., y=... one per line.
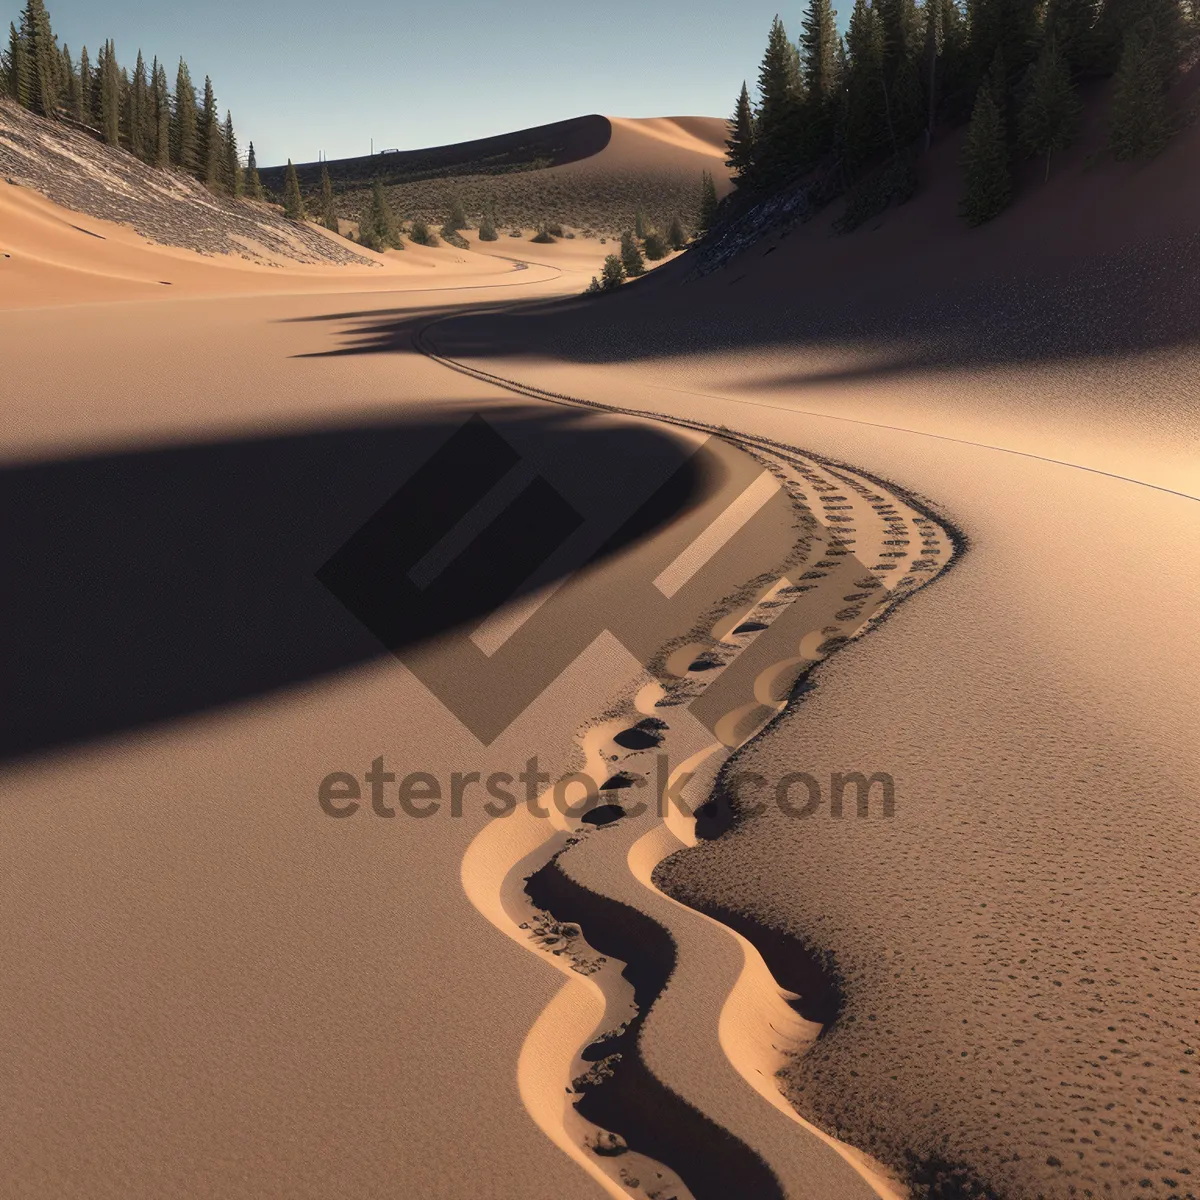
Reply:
x=148, y=584
x=879, y=323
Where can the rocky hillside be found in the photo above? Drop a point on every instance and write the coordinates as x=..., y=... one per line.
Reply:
x=66, y=164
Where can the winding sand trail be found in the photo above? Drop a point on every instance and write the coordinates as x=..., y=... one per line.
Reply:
x=757, y=1029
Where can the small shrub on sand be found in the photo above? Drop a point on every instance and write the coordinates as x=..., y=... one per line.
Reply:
x=543, y=236
x=613, y=274
x=487, y=229
x=554, y=229
x=421, y=235
x=656, y=246
x=515, y=233
x=631, y=256
x=453, y=238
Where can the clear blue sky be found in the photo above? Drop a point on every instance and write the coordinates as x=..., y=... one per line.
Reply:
x=303, y=77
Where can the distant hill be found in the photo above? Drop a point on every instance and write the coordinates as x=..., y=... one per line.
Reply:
x=589, y=172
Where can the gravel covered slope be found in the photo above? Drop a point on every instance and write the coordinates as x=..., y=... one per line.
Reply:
x=71, y=168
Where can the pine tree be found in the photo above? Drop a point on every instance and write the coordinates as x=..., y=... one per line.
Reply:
x=780, y=94
x=819, y=65
x=676, y=238
x=707, y=210
x=1007, y=26
x=231, y=169
x=19, y=76
x=987, y=176
x=138, y=110
x=68, y=83
x=631, y=255
x=42, y=53
x=293, y=202
x=385, y=227
x=210, y=150
x=110, y=96
x=1071, y=26
x=1141, y=117
x=456, y=219
x=955, y=60
x=1157, y=23
x=253, y=184
x=86, y=114
x=899, y=22
x=1050, y=114
x=739, y=145
x=123, y=88
x=378, y=223
x=161, y=99
x=931, y=55
x=487, y=224
x=906, y=106
x=866, y=120
x=639, y=225
x=328, y=212
x=183, y=121
x=96, y=97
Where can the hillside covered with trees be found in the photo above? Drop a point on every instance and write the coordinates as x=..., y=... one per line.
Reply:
x=137, y=111
x=853, y=114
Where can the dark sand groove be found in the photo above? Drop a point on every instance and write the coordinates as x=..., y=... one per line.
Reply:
x=631, y=1102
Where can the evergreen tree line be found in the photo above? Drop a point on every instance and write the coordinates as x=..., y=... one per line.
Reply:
x=137, y=112
x=845, y=106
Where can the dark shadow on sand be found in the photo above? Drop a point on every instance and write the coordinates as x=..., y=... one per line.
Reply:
x=902, y=318
x=145, y=585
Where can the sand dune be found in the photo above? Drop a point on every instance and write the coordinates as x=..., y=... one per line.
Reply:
x=658, y=141
x=592, y=172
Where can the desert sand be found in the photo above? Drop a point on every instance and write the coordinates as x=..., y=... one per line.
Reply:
x=865, y=524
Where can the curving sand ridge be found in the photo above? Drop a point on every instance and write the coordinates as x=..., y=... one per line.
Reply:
x=571, y=867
